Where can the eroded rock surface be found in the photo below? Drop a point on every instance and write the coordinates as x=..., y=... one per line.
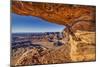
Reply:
x=58, y=13
x=72, y=51
x=77, y=16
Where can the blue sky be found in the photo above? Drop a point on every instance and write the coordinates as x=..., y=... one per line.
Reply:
x=32, y=24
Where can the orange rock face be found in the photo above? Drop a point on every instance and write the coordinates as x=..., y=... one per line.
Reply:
x=76, y=17
x=57, y=13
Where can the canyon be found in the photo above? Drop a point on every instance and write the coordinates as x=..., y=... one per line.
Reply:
x=80, y=22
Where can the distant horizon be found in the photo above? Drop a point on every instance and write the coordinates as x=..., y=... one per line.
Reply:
x=27, y=24
x=36, y=32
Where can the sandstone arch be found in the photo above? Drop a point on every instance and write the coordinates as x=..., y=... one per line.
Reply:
x=55, y=13
x=72, y=16
x=58, y=13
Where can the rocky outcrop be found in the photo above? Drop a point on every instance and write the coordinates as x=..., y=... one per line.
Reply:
x=76, y=17
x=72, y=51
x=58, y=13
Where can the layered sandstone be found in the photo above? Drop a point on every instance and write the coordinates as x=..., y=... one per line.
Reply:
x=58, y=13
x=72, y=51
x=77, y=16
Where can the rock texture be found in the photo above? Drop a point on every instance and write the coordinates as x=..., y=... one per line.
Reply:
x=76, y=17
x=72, y=51
x=58, y=13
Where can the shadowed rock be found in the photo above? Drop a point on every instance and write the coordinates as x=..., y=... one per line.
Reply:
x=56, y=13
x=75, y=16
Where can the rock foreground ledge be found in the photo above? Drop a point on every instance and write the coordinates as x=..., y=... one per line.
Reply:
x=73, y=51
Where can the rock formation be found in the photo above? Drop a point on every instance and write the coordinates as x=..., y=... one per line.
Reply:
x=58, y=13
x=74, y=17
